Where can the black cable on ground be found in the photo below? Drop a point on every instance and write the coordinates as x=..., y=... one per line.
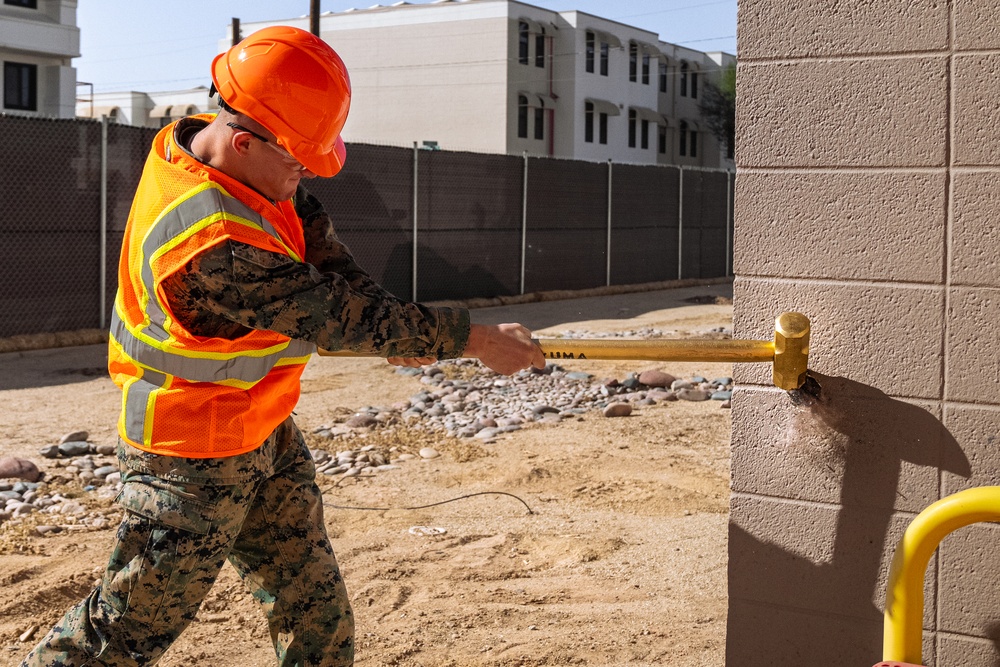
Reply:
x=420, y=507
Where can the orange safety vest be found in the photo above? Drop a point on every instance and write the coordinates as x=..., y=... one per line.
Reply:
x=183, y=394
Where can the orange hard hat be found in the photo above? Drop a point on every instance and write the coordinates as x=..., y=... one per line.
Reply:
x=295, y=85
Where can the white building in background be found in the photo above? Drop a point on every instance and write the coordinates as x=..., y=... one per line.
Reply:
x=38, y=41
x=146, y=109
x=501, y=76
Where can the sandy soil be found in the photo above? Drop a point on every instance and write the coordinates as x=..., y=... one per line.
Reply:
x=622, y=562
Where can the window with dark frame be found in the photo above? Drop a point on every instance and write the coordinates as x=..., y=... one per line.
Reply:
x=605, y=56
x=522, y=117
x=694, y=85
x=589, y=59
x=694, y=144
x=663, y=78
x=588, y=122
x=684, y=79
x=20, y=86
x=30, y=4
x=645, y=69
x=644, y=134
x=662, y=140
x=631, y=128
x=522, y=43
x=682, y=136
x=539, y=123
x=633, y=61
x=602, y=128
x=540, y=49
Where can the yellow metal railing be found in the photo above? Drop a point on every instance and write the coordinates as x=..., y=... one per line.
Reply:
x=904, y=597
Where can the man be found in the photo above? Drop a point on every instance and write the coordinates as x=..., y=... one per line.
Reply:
x=230, y=275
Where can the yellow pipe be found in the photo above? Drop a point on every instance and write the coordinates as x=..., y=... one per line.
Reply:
x=904, y=597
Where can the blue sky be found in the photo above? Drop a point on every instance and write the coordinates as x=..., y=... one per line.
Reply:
x=153, y=46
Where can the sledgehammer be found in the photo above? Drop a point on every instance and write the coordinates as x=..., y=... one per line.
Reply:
x=788, y=353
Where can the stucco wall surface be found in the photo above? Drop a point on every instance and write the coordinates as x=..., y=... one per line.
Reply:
x=868, y=198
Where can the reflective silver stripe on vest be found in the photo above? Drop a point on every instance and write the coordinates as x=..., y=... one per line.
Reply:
x=175, y=222
x=136, y=400
x=202, y=369
x=240, y=366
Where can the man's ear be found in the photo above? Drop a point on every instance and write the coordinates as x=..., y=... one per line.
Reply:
x=240, y=142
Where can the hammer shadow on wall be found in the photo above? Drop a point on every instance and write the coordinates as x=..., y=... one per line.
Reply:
x=795, y=594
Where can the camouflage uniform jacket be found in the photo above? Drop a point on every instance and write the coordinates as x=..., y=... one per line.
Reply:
x=327, y=299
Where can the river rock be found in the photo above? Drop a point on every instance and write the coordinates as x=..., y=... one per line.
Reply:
x=15, y=468
x=428, y=453
x=74, y=448
x=618, y=410
x=693, y=394
x=361, y=421
x=656, y=378
x=75, y=436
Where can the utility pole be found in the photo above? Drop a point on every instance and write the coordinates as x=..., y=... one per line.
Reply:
x=314, y=17
x=236, y=31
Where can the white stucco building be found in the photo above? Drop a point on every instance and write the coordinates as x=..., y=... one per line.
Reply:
x=141, y=109
x=501, y=76
x=38, y=41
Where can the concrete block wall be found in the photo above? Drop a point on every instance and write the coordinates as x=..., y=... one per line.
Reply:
x=868, y=198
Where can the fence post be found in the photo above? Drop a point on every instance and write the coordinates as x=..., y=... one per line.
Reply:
x=103, y=272
x=680, y=223
x=416, y=201
x=608, y=249
x=524, y=219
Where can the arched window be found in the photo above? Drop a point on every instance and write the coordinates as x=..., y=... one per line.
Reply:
x=522, y=116
x=684, y=79
x=631, y=127
x=588, y=122
x=522, y=42
x=682, y=138
x=540, y=49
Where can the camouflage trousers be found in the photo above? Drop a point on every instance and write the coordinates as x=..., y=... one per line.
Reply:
x=184, y=518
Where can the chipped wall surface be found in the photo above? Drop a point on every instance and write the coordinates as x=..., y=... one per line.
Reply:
x=868, y=198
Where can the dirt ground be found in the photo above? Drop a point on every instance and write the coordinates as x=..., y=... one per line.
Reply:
x=622, y=562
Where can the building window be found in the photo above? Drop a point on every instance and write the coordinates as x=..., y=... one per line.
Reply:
x=644, y=134
x=602, y=128
x=645, y=68
x=20, y=86
x=540, y=49
x=694, y=85
x=522, y=117
x=588, y=122
x=522, y=42
x=693, y=144
x=682, y=134
x=30, y=4
x=663, y=78
x=605, y=48
x=684, y=79
x=590, y=52
x=633, y=61
x=631, y=128
x=539, y=123
x=662, y=140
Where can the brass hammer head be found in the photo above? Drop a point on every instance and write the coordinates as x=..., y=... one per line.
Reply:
x=791, y=350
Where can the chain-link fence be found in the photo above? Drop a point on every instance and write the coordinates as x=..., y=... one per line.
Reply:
x=428, y=225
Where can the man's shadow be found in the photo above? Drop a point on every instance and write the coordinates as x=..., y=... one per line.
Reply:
x=785, y=606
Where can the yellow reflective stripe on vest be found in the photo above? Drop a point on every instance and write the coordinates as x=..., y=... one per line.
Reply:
x=201, y=206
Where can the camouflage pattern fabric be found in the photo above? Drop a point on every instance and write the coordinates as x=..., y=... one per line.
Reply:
x=184, y=518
